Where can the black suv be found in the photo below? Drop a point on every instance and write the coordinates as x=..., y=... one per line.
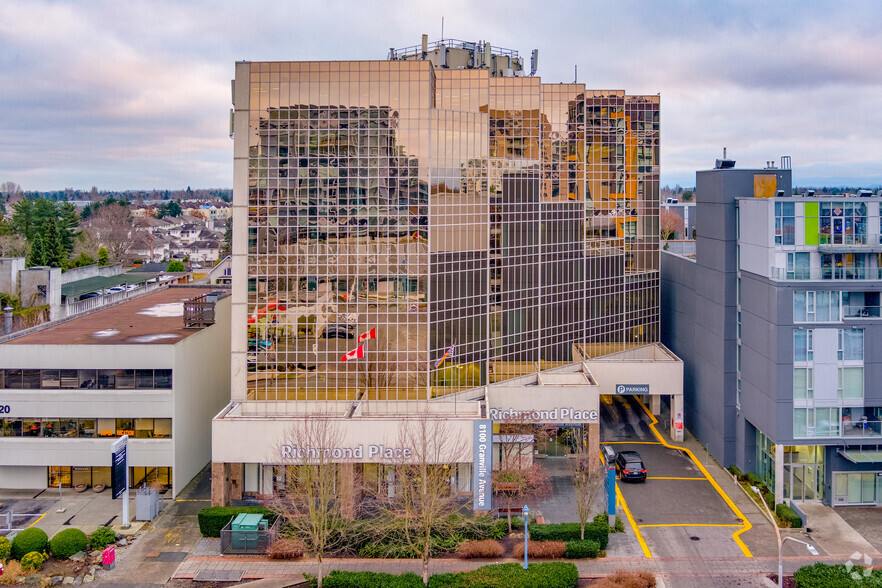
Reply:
x=629, y=466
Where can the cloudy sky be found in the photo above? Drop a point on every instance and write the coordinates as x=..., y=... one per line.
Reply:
x=136, y=94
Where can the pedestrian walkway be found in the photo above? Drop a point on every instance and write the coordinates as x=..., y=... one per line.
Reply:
x=668, y=567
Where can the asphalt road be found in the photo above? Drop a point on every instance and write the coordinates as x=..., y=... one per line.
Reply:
x=25, y=512
x=677, y=511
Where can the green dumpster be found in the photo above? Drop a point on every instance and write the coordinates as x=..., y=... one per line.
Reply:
x=246, y=530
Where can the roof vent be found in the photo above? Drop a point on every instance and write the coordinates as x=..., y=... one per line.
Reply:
x=724, y=164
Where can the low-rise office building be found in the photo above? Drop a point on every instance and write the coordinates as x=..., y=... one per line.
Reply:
x=152, y=367
x=778, y=320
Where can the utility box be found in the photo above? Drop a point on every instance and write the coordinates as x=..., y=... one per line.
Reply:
x=246, y=532
x=146, y=504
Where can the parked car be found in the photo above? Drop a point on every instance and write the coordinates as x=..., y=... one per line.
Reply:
x=337, y=331
x=629, y=466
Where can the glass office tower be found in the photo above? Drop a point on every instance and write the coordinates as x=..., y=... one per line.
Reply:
x=444, y=218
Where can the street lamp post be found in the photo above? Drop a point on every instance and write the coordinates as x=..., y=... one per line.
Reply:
x=809, y=546
x=526, y=534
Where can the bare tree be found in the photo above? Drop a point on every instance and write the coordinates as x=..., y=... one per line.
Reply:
x=518, y=478
x=111, y=227
x=588, y=482
x=425, y=495
x=10, y=189
x=670, y=224
x=13, y=246
x=310, y=504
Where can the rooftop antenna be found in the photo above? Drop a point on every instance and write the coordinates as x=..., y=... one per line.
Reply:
x=576, y=70
x=724, y=153
x=442, y=29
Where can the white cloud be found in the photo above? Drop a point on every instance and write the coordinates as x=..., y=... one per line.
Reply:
x=136, y=94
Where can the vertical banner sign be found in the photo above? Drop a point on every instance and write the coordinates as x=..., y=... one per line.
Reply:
x=118, y=466
x=482, y=469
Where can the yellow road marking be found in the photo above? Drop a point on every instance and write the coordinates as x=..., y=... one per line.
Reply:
x=689, y=525
x=37, y=521
x=192, y=500
x=672, y=478
x=747, y=526
x=637, y=532
x=630, y=442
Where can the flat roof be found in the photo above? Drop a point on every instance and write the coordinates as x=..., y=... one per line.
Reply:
x=155, y=318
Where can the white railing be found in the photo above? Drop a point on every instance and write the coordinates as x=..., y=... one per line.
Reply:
x=817, y=273
x=89, y=304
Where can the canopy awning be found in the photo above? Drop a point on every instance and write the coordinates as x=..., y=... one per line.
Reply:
x=862, y=455
x=93, y=284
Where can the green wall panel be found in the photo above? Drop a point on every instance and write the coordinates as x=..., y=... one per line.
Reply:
x=811, y=223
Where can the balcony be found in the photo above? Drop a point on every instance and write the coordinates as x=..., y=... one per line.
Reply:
x=851, y=312
x=863, y=428
x=826, y=273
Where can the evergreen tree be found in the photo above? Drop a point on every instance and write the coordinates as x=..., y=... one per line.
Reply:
x=103, y=256
x=67, y=224
x=53, y=245
x=37, y=255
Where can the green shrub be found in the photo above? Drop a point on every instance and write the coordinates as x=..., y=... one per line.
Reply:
x=754, y=480
x=769, y=498
x=785, y=513
x=214, y=518
x=736, y=471
x=68, y=542
x=822, y=575
x=31, y=539
x=33, y=561
x=500, y=529
x=603, y=519
x=581, y=549
x=340, y=579
x=552, y=574
x=5, y=548
x=570, y=532
x=102, y=537
x=389, y=551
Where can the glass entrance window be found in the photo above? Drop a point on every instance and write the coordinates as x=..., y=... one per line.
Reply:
x=855, y=487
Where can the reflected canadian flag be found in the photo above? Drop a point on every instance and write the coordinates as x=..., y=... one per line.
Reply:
x=354, y=354
x=372, y=334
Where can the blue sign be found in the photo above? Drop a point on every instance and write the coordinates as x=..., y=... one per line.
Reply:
x=482, y=468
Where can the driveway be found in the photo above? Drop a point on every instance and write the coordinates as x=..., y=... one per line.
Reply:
x=677, y=511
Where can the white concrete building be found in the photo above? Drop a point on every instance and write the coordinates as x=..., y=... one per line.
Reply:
x=145, y=368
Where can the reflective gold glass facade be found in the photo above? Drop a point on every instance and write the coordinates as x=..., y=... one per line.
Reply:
x=498, y=216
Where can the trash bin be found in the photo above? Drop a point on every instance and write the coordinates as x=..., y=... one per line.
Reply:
x=245, y=531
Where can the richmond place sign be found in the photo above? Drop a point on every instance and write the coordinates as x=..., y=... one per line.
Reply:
x=552, y=415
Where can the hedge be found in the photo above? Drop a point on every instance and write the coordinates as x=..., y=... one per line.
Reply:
x=68, y=542
x=785, y=513
x=582, y=549
x=214, y=518
x=571, y=532
x=822, y=575
x=31, y=539
x=340, y=579
x=552, y=574
x=736, y=471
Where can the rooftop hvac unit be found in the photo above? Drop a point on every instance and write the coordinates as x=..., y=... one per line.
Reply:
x=724, y=164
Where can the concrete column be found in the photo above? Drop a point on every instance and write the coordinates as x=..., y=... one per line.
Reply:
x=779, y=473
x=593, y=434
x=349, y=489
x=220, y=484
x=237, y=481
x=655, y=404
x=677, y=416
